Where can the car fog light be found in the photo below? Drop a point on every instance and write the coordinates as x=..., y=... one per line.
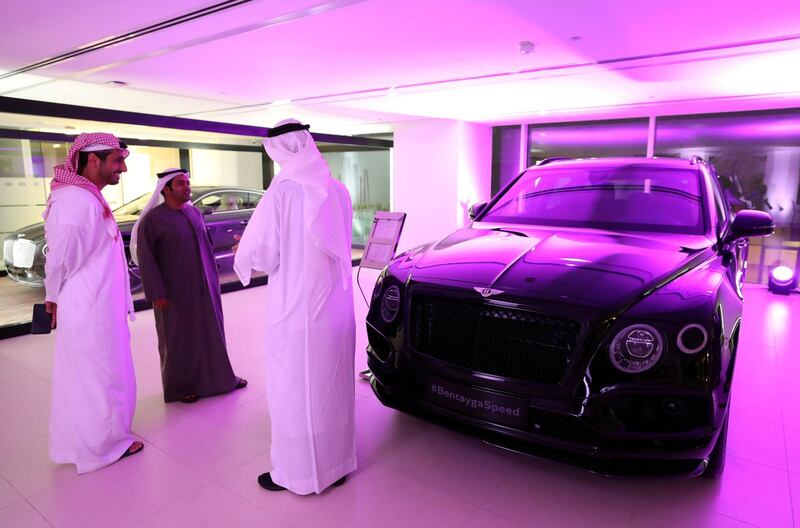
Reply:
x=692, y=339
x=636, y=348
x=782, y=280
x=390, y=304
x=671, y=406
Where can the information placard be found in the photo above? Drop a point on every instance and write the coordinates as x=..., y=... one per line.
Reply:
x=383, y=239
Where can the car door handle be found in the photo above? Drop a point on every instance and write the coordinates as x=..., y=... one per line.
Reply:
x=244, y=222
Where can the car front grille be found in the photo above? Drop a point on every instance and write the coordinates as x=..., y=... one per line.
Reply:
x=496, y=340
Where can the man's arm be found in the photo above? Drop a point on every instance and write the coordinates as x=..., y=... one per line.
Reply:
x=258, y=247
x=69, y=243
x=52, y=309
x=152, y=280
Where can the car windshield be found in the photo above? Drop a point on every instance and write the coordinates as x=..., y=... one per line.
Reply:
x=629, y=198
x=134, y=207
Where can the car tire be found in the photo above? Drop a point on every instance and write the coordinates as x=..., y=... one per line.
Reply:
x=716, y=460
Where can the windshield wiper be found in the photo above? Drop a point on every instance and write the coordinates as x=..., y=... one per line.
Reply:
x=504, y=230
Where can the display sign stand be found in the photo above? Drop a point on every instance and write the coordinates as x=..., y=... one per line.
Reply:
x=380, y=250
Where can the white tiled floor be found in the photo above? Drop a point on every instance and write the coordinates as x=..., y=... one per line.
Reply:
x=201, y=461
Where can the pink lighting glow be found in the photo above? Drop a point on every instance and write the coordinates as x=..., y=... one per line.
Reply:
x=782, y=274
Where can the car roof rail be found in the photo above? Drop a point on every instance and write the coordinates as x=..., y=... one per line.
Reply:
x=696, y=159
x=550, y=160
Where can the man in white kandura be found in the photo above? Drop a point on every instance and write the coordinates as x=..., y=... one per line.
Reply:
x=300, y=236
x=88, y=295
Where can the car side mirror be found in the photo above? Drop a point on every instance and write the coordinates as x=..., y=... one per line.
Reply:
x=476, y=209
x=749, y=223
x=205, y=209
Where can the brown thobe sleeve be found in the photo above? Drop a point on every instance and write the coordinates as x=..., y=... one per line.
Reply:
x=151, y=275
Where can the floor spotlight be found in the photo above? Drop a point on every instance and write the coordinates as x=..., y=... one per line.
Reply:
x=783, y=280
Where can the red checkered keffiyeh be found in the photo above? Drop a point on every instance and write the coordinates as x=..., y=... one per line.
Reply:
x=67, y=172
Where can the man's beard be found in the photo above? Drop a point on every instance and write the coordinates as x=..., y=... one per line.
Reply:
x=107, y=175
x=180, y=197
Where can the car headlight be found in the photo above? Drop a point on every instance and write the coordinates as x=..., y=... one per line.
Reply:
x=636, y=348
x=45, y=249
x=378, y=285
x=390, y=304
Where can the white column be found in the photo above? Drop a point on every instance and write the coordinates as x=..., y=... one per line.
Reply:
x=524, y=147
x=651, y=137
x=440, y=168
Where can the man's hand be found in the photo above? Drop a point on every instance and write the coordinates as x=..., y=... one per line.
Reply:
x=235, y=247
x=161, y=304
x=52, y=309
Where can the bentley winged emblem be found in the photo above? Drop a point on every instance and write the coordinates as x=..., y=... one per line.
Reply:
x=487, y=292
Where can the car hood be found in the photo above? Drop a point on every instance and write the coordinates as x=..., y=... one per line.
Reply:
x=125, y=222
x=35, y=232
x=591, y=268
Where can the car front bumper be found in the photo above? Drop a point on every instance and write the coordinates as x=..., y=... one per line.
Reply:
x=583, y=439
x=27, y=276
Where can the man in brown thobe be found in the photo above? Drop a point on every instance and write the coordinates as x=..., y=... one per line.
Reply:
x=180, y=278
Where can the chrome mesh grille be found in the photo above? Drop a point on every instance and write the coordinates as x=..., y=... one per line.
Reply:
x=505, y=342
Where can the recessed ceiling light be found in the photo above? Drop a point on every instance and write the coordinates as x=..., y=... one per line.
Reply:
x=526, y=46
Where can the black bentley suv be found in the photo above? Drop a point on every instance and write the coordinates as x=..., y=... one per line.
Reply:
x=226, y=211
x=591, y=311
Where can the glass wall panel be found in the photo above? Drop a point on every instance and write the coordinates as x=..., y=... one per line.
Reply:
x=505, y=155
x=227, y=167
x=596, y=139
x=24, y=180
x=229, y=175
x=365, y=173
x=757, y=156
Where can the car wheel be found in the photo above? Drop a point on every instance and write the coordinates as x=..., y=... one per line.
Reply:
x=135, y=276
x=716, y=461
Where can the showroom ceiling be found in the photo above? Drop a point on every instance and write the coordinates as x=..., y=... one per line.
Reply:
x=357, y=66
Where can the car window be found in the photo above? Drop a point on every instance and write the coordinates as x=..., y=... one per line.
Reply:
x=253, y=199
x=625, y=197
x=225, y=201
x=211, y=201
